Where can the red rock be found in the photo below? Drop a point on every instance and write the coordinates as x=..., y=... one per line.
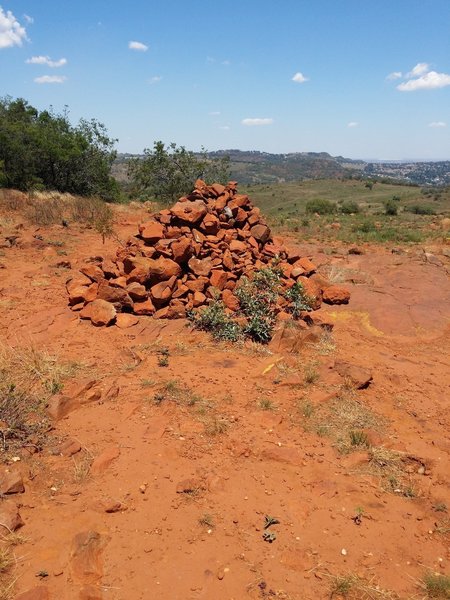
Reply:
x=218, y=188
x=336, y=294
x=11, y=482
x=163, y=268
x=109, y=269
x=103, y=461
x=227, y=260
x=94, y=272
x=109, y=505
x=137, y=268
x=126, y=320
x=210, y=224
x=85, y=556
x=200, y=266
x=198, y=299
x=10, y=519
x=305, y=264
x=115, y=295
x=151, y=232
x=82, y=293
x=312, y=290
x=36, y=593
x=190, y=211
x=218, y=279
x=182, y=250
x=284, y=454
x=70, y=447
x=197, y=285
x=238, y=246
x=260, y=232
x=85, y=312
x=360, y=377
x=91, y=592
x=230, y=300
x=161, y=293
x=144, y=308
x=314, y=318
x=137, y=291
x=102, y=312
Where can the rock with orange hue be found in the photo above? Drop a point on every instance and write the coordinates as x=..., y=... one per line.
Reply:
x=304, y=263
x=210, y=224
x=318, y=319
x=336, y=294
x=137, y=291
x=94, y=272
x=198, y=299
x=238, y=246
x=190, y=211
x=85, y=556
x=312, y=291
x=151, y=232
x=10, y=519
x=230, y=300
x=11, y=482
x=144, y=308
x=126, y=320
x=161, y=293
x=102, y=312
x=190, y=486
x=200, y=266
x=70, y=447
x=117, y=296
x=182, y=250
x=218, y=279
x=260, y=232
x=360, y=377
x=162, y=268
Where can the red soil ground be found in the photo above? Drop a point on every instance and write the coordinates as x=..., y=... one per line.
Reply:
x=244, y=462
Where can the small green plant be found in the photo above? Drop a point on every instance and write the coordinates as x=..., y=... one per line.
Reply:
x=359, y=438
x=390, y=208
x=349, y=207
x=163, y=357
x=440, y=507
x=320, y=206
x=299, y=301
x=311, y=374
x=266, y=404
x=342, y=585
x=436, y=585
x=421, y=209
x=214, y=319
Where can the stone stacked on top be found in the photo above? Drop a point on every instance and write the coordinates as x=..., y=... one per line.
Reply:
x=185, y=256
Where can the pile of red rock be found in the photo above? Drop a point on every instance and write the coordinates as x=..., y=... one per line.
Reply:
x=187, y=255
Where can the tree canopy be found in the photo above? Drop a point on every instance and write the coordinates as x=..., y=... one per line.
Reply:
x=168, y=172
x=42, y=149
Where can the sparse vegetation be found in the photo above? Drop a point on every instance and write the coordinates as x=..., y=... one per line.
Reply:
x=320, y=206
x=437, y=585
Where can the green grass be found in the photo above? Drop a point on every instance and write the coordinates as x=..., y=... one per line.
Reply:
x=286, y=207
x=437, y=586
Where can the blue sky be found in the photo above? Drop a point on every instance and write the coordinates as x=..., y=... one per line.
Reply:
x=358, y=78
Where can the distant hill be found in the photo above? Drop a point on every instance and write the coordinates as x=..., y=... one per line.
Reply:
x=250, y=167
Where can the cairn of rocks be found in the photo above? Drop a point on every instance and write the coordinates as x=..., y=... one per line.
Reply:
x=185, y=256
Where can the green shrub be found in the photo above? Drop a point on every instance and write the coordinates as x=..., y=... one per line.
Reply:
x=299, y=299
x=349, y=207
x=390, y=208
x=421, y=209
x=320, y=206
x=214, y=319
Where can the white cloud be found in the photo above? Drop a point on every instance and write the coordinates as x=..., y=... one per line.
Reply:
x=139, y=46
x=353, y=124
x=46, y=60
x=28, y=19
x=225, y=127
x=394, y=75
x=299, y=78
x=155, y=79
x=50, y=79
x=437, y=124
x=253, y=121
x=226, y=63
x=214, y=113
x=428, y=81
x=12, y=33
x=418, y=70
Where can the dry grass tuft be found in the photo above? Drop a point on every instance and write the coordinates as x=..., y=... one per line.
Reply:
x=352, y=587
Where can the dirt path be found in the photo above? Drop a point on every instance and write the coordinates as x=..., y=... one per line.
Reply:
x=180, y=465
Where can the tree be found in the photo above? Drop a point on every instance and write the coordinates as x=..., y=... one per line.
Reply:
x=44, y=150
x=168, y=172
